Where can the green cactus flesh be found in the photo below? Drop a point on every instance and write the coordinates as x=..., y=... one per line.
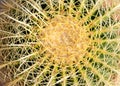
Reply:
x=59, y=43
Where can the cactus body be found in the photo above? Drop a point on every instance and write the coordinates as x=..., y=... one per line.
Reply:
x=59, y=43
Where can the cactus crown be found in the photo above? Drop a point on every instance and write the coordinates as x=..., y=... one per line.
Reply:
x=59, y=43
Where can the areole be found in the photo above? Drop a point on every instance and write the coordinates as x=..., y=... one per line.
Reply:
x=65, y=39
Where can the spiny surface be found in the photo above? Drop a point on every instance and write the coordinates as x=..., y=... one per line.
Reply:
x=59, y=43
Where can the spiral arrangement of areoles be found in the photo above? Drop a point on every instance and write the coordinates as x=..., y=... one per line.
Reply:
x=59, y=43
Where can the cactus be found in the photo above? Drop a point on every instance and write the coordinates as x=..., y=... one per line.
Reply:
x=59, y=43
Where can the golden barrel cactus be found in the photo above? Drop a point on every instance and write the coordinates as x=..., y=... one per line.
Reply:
x=59, y=43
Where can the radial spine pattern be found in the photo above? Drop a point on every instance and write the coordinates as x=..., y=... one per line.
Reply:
x=59, y=43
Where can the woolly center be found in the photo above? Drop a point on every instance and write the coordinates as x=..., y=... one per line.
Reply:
x=66, y=40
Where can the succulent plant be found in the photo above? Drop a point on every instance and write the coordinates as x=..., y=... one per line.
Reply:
x=59, y=43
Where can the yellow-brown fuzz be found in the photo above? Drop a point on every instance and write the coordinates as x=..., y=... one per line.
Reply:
x=65, y=39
